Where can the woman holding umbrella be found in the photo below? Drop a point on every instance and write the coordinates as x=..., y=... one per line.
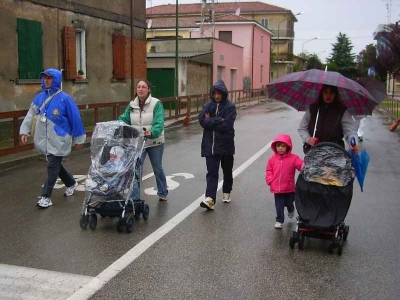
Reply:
x=328, y=120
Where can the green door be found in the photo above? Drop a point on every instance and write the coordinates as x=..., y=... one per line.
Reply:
x=162, y=84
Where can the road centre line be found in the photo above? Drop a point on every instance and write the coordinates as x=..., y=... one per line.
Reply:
x=120, y=264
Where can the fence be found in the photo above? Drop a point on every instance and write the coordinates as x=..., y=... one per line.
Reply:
x=91, y=114
x=391, y=106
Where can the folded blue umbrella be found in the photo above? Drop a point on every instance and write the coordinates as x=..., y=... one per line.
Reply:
x=360, y=163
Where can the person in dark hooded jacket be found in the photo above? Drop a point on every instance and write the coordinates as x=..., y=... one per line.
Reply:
x=218, y=146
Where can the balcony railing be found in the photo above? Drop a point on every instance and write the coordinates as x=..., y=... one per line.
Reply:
x=286, y=33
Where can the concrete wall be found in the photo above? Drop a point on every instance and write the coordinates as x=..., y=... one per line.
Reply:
x=99, y=23
x=185, y=45
x=199, y=78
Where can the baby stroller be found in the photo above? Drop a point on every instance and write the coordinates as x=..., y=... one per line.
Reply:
x=323, y=195
x=116, y=149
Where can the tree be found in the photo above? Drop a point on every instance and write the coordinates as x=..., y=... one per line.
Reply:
x=366, y=59
x=314, y=62
x=342, y=59
x=388, y=50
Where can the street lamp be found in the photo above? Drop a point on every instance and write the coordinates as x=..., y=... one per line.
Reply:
x=279, y=24
x=302, y=47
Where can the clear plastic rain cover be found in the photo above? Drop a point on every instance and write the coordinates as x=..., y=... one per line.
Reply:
x=328, y=164
x=115, y=148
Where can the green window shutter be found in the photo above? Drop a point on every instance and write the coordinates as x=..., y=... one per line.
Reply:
x=30, y=49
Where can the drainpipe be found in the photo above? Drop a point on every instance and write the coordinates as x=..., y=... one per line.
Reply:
x=252, y=61
x=133, y=90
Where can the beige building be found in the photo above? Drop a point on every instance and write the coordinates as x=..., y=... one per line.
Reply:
x=93, y=38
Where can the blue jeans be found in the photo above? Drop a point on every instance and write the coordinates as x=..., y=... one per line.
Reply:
x=282, y=200
x=155, y=154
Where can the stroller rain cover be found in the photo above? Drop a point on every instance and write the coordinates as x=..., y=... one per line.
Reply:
x=324, y=188
x=109, y=175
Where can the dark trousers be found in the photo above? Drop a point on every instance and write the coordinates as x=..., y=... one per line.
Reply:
x=56, y=169
x=282, y=200
x=212, y=176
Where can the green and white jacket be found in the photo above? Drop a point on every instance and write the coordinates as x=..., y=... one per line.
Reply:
x=151, y=117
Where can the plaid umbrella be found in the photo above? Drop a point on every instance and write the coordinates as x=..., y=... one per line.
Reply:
x=376, y=88
x=300, y=89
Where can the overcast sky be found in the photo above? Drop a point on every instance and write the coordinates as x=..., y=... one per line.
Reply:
x=358, y=19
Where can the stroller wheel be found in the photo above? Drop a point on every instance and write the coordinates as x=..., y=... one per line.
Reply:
x=301, y=241
x=93, y=221
x=146, y=211
x=346, y=232
x=120, y=224
x=129, y=224
x=84, y=221
x=138, y=209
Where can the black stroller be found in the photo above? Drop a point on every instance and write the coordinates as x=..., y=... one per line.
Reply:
x=324, y=190
x=116, y=149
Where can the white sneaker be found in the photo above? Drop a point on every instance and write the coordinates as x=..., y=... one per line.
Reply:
x=278, y=225
x=290, y=214
x=208, y=203
x=70, y=190
x=44, y=202
x=226, y=197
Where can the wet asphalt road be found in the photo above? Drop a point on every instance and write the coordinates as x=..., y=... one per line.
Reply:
x=233, y=252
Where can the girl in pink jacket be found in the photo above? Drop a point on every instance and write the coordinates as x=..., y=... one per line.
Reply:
x=279, y=175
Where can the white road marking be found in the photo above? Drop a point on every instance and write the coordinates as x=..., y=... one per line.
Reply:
x=171, y=184
x=114, y=269
x=26, y=283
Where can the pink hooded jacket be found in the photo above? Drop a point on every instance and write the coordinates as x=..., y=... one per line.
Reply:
x=280, y=170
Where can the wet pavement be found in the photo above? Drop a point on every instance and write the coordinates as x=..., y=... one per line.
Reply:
x=185, y=252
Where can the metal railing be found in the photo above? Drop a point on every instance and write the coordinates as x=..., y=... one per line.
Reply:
x=175, y=108
x=391, y=106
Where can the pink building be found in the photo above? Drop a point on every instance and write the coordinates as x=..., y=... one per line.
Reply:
x=256, y=42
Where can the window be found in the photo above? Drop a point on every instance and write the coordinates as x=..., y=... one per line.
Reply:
x=220, y=72
x=30, y=49
x=119, y=58
x=80, y=51
x=264, y=22
x=233, y=79
x=74, y=52
x=225, y=36
x=262, y=43
x=261, y=73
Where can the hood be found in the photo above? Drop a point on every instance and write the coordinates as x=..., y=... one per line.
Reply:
x=57, y=79
x=285, y=138
x=220, y=86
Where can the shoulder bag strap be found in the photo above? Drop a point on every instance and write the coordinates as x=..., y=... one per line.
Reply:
x=48, y=99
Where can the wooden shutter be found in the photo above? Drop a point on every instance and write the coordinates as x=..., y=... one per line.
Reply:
x=119, y=58
x=69, y=53
x=30, y=49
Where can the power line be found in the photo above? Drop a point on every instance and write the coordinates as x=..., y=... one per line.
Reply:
x=334, y=38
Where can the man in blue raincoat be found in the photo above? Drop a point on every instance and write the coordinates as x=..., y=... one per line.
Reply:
x=58, y=123
x=218, y=146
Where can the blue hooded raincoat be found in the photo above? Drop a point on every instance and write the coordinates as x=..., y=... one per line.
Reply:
x=218, y=134
x=59, y=121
